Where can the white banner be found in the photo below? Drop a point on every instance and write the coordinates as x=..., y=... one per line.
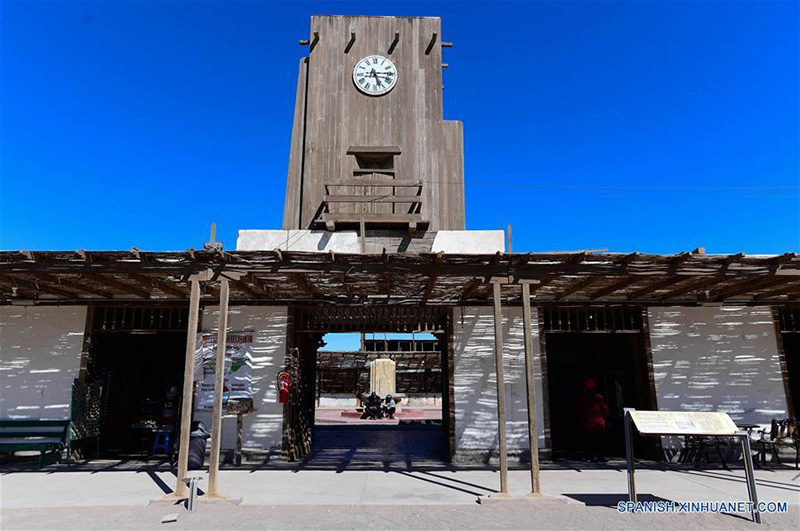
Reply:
x=238, y=368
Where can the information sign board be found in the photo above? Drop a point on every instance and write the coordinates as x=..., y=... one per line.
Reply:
x=683, y=423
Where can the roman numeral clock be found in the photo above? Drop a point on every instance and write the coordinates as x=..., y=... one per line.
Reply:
x=375, y=75
x=370, y=149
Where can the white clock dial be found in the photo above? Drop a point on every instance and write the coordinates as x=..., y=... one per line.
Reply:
x=375, y=75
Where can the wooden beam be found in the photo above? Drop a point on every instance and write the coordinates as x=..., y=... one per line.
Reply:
x=702, y=283
x=386, y=198
x=789, y=289
x=577, y=258
x=82, y=288
x=116, y=284
x=305, y=285
x=616, y=286
x=431, y=43
x=389, y=183
x=37, y=288
x=750, y=284
x=219, y=380
x=470, y=288
x=655, y=286
x=783, y=258
x=576, y=287
x=530, y=386
x=188, y=390
x=244, y=286
x=160, y=284
x=429, y=287
x=501, y=390
x=325, y=217
x=545, y=282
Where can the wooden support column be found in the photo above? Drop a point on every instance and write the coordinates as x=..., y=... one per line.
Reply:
x=219, y=378
x=530, y=382
x=501, y=391
x=188, y=390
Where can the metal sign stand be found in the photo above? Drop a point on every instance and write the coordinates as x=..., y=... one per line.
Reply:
x=747, y=458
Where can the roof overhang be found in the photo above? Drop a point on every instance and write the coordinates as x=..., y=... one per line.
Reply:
x=282, y=277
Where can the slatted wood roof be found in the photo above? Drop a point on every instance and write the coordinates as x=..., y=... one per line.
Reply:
x=403, y=278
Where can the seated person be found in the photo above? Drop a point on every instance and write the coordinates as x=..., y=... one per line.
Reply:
x=388, y=407
x=372, y=407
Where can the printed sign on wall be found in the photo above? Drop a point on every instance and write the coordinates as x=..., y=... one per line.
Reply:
x=238, y=368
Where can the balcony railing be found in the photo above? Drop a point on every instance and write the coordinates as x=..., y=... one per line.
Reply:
x=372, y=197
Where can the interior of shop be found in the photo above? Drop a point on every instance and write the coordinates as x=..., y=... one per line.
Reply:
x=136, y=364
x=615, y=362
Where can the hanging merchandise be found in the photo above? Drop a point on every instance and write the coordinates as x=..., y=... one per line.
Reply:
x=238, y=378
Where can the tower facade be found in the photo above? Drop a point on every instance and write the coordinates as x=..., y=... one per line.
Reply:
x=370, y=147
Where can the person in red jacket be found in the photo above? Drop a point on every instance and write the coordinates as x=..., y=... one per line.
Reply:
x=593, y=412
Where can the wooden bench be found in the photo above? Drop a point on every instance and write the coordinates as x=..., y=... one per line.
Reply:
x=44, y=436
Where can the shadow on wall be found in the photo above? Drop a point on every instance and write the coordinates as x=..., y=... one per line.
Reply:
x=718, y=359
x=40, y=355
x=476, y=383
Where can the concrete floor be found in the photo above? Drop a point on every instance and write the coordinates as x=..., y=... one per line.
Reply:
x=59, y=487
x=536, y=515
x=377, y=478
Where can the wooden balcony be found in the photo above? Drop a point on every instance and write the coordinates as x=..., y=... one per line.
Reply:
x=372, y=197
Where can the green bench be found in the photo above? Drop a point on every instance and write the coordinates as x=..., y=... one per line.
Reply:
x=44, y=436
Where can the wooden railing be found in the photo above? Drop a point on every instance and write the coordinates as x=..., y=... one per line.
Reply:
x=373, y=197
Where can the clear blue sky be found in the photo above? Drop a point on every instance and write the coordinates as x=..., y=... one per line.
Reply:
x=650, y=126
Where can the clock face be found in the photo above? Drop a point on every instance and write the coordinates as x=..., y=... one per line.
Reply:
x=375, y=75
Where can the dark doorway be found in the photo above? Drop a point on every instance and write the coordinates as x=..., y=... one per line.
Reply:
x=791, y=351
x=617, y=363
x=141, y=377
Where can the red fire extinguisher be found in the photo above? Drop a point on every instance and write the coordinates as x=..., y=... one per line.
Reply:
x=284, y=385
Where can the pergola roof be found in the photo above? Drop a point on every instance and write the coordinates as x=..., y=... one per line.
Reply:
x=397, y=278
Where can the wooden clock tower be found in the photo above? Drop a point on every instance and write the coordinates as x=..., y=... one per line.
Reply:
x=370, y=148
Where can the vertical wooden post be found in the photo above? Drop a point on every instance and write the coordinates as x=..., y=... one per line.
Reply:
x=188, y=390
x=533, y=432
x=219, y=380
x=239, y=438
x=501, y=391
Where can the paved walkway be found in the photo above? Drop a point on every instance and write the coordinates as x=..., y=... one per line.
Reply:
x=103, y=495
x=111, y=486
x=539, y=515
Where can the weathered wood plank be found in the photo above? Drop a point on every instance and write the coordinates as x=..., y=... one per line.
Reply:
x=371, y=199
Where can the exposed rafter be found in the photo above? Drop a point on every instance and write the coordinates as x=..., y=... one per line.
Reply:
x=750, y=284
x=575, y=287
x=703, y=283
x=789, y=289
x=306, y=285
x=614, y=287
x=162, y=285
x=79, y=287
x=119, y=285
x=36, y=287
x=655, y=286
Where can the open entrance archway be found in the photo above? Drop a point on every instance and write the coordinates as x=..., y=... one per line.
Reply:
x=326, y=422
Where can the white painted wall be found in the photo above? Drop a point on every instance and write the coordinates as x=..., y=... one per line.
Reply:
x=262, y=428
x=469, y=241
x=476, y=383
x=717, y=359
x=313, y=241
x=40, y=356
